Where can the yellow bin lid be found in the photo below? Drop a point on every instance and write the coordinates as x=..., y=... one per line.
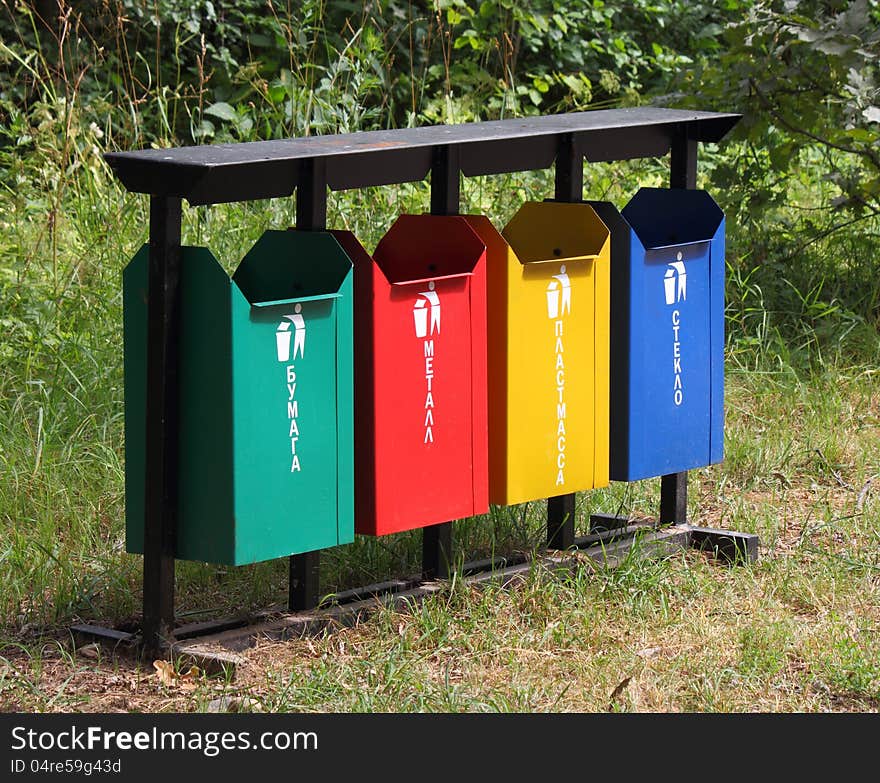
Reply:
x=554, y=231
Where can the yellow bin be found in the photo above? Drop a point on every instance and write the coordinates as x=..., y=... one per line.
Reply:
x=548, y=330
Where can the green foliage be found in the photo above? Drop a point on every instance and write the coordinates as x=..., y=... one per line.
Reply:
x=800, y=177
x=807, y=76
x=549, y=56
x=195, y=71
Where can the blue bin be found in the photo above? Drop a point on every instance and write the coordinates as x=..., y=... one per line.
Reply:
x=667, y=333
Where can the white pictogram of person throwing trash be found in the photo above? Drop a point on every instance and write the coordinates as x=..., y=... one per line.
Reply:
x=283, y=334
x=559, y=295
x=428, y=301
x=675, y=273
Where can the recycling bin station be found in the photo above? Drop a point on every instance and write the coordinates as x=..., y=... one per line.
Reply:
x=266, y=375
x=323, y=390
x=420, y=376
x=667, y=332
x=548, y=284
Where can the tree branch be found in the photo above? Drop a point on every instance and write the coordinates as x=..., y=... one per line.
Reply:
x=872, y=156
x=828, y=231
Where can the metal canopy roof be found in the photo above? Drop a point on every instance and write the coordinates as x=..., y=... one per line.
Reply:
x=211, y=174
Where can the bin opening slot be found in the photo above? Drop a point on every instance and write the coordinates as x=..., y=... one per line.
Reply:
x=431, y=279
x=278, y=302
x=559, y=259
x=673, y=244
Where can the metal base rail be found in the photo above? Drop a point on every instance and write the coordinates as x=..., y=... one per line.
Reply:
x=213, y=645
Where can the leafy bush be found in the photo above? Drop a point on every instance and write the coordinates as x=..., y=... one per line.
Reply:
x=800, y=175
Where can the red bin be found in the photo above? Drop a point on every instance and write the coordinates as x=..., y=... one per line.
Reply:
x=421, y=422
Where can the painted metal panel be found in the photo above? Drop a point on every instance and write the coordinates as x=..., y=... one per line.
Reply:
x=548, y=297
x=667, y=345
x=420, y=385
x=266, y=441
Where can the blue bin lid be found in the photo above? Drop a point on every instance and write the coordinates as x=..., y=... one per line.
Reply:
x=670, y=217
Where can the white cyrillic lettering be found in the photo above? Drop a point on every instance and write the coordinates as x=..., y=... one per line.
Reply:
x=428, y=350
x=677, y=394
x=560, y=405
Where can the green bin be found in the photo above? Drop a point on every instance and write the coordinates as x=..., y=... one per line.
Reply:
x=266, y=422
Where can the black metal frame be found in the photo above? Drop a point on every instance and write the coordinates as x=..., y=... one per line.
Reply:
x=311, y=166
x=682, y=174
x=163, y=413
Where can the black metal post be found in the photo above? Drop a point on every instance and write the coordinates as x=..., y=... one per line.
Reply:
x=311, y=195
x=445, y=200
x=569, y=180
x=674, y=498
x=162, y=425
x=569, y=187
x=683, y=160
x=436, y=551
x=682, y=174
x=304, y=583
x=445, y=181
